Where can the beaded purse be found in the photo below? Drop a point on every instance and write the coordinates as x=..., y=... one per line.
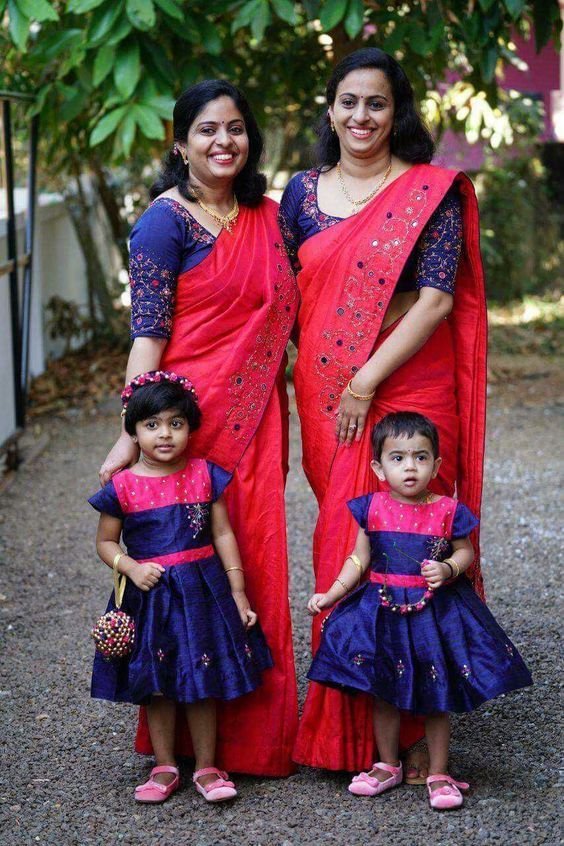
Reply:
x=114, y=631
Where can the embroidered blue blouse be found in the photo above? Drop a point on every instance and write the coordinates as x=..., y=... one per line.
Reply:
x=165, y=242
x=433, y=261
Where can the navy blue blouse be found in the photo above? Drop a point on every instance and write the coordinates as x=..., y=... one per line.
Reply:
x=165, y=242
x=433, y=261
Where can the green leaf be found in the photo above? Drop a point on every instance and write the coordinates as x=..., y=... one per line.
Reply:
x=355, y=18
x=545, y=13
x=261, y=20
x=103, y=21
x=514, y=7
x=395, y=39
x=285, y=10
x=18, y=26
x=311, y=9
x=163, y=106
x=149, y=123
x=141, y=13
x=488, y=62
x=73, y=106
x=245, y=15
x=56, y=42
x=332, y=13
x=107, y=125
x=120, y=31
x=126, y=132
x=418, y=38
x=127, y=69
x=81, y=6
x=210, y=37
x=170, y=8
x=103, y=64
x=37, y=10
x=486, y=4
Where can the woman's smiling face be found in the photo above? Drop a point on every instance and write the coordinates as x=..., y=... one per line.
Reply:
x=217, y=145
x=363, y=112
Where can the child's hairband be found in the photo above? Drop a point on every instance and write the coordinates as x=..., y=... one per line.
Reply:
x=156, y=376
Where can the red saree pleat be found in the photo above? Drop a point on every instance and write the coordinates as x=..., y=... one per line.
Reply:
x=339, y=329
x=233, y=316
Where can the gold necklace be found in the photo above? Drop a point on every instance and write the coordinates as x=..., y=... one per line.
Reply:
x=226, y=221
x=356, y=204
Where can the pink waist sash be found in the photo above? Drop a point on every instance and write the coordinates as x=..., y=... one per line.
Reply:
x=180, y=557
x=397, y=580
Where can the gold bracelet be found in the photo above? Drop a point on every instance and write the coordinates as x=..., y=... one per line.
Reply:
x=228, y=569
x=117, y=559
x=364, y=397
x=455, y=567
x=341, y=582
x=357, y=563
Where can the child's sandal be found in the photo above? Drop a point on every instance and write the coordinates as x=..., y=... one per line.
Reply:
x=448, y=797
x=153, y=792
x=367, y=785
x=218, y=790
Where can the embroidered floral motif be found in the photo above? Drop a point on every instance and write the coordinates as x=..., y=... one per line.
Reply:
x=250, y=386
x=465, y=671
x=437, y=548
x=433, y=672
x=160, y=655
x=400, y=669
x=509, y=649
x=248, y=652
x=358, y=659
x=206, y=660
x=198, y=516
x=440, y=246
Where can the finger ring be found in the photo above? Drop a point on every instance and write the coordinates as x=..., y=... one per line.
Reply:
x=352, y=427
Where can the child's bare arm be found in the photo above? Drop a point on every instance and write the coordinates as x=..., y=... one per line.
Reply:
x=145, y=576
x=438, y=572
x=349, y=577
x=225, y=544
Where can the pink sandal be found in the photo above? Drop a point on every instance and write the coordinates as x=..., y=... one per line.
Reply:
x=367, y=785
x=448, y=797
x=218, y=790
x=154, y=792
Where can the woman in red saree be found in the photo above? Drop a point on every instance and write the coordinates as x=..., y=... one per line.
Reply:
x=392, y=317
x=214, y=298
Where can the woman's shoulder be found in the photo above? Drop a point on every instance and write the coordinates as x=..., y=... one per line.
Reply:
x=302, y=181
x=163, y=214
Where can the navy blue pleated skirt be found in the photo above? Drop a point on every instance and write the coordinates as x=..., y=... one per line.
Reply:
x=190, y=643
x=452, y=656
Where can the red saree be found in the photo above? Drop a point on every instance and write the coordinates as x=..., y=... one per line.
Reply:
x=349, y=272
x=233, y=316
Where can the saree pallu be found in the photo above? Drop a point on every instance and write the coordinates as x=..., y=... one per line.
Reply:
x=233, y=315
x=348, y=276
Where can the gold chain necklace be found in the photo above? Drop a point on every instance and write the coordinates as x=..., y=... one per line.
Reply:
x=226, y=221
x=356, y=204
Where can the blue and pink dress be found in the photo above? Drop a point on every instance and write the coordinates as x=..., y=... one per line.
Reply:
x=190, y=642
x=450, y=656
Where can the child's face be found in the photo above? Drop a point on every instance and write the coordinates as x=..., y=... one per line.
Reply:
x=407, y=465
x=163, y=438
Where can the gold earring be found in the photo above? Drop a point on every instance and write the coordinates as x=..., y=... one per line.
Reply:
x=183, y=155
x=332, y=122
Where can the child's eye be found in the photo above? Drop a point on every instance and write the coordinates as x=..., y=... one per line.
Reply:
x=421, y=458
x=178, y=423
x=396, y=458
x=152, y=424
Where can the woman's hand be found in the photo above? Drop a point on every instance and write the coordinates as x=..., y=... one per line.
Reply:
x=317, y=603
x=123, y=453
x=247, y=615
x=435, y=573
x=352, y=413
x=145, y=576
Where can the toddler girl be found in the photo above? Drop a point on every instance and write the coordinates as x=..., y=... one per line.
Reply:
x=197, y=639
x=414, y=635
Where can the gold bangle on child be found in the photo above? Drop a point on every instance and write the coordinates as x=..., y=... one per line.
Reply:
x=228, y=569
x=357, y=563
x=117, y=559
x=364, y=397
x=341, y=582
x=455, y=567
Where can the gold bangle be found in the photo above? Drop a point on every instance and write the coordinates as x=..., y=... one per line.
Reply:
x=364, y=397
x=341, y=582
x=357, y=563
x=228, y=569
x=117, y=559
x=455, y=567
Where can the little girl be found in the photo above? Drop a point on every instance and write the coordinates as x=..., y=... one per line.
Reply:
x=197, y=639
x=414, y=635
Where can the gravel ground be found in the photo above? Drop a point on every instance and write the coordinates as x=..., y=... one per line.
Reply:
x=70, y=766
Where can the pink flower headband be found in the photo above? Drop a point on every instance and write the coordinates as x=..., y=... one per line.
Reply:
x=156, y=376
